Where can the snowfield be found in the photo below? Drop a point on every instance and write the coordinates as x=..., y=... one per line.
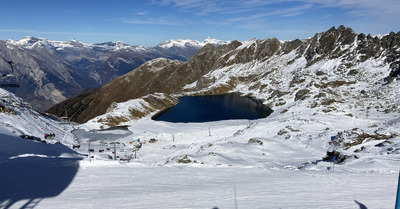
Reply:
x=197, y=165
x=113, y=185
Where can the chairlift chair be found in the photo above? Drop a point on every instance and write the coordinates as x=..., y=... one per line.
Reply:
x=65, y=119
x=6, y=80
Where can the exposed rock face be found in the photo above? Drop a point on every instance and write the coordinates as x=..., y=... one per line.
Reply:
x=319, y=70
x=52, y=71
x=158, y=75
x=140, y=82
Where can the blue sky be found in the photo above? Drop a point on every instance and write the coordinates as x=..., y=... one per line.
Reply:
x=149, y=22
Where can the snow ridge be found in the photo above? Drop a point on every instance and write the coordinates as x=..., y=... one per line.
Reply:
x=30, y=42
x=182, y=43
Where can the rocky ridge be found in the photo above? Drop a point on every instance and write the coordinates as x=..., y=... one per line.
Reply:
x=330, y=72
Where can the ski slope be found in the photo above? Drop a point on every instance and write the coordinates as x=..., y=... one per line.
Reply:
x=112, y=185
x=197, y=165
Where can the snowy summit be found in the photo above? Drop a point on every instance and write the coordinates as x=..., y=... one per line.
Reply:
x=181, y=43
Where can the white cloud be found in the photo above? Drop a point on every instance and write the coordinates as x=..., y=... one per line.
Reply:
x=163, y=20
x=363, y=7
x=284, y=12
x=369, y=16
x=200, y=7
x=354, y=7
x=141, y=13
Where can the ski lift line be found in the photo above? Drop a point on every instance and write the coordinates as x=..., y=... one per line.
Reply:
x=76, y=112
x=65, y=118
x=9, y=85
x=12, y=67
x=10, y=63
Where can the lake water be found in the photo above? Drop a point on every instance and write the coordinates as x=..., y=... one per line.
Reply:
x=214, y=108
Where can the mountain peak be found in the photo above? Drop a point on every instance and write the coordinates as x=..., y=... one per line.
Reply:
x=28, y=40
x=182, y=43
x=341, y=30
x=121, y=45
x=214, y=41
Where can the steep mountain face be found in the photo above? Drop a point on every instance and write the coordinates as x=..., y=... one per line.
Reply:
x=334, y=67
x=52, y=71
x=158, y=75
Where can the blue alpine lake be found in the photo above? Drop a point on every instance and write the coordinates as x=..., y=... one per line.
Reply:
x=214, y=108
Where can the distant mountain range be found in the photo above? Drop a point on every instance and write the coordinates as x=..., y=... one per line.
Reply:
x=52, y=71
x=331, y=71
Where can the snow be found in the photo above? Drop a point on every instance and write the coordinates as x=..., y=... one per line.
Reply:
x=182, y=43
x=29, y=42
x=158, y=64
x=266, y=163
x=230, y=172
x=115, y=186
x=210, y=40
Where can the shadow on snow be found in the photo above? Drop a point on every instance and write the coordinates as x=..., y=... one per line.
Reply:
x=33, y=171
x=362, y=206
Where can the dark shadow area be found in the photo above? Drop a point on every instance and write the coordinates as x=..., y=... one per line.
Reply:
x=33, y=171
x=214, y=108
x=362, y=206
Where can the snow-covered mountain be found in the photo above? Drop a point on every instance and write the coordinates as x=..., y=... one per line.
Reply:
x=333, y=67
x=182, y=43
x=338, y=90
x=50, y=71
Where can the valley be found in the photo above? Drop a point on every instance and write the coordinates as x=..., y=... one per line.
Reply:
x=49, y=71
x=336, y=92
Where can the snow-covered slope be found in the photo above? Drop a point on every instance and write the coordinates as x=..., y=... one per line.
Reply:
x=225, y=164
x=321, y=101
x=31, y=169
x=19, y=118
